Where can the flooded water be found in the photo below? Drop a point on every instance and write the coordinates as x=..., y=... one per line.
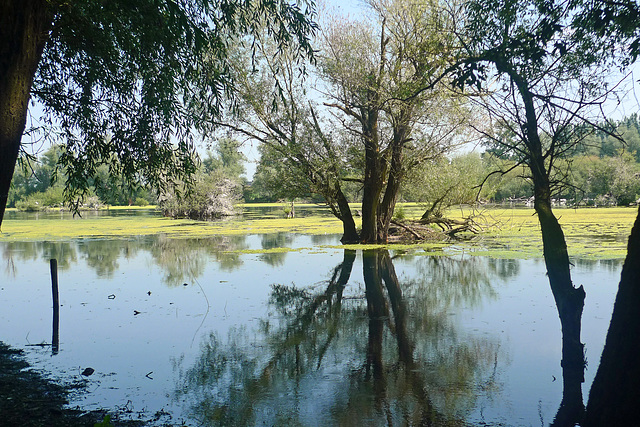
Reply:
x=315, y=336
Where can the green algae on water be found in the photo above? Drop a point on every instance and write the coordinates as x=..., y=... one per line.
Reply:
x=592, y=233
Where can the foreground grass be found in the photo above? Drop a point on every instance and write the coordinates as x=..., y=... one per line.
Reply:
x=594, y=233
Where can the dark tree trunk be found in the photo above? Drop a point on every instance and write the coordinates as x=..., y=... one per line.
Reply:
x=569, y=302
x=374, y=175
x=349, y=231
x=396, y=174
x=24, y=27
x=388, y=205
x=614, y=398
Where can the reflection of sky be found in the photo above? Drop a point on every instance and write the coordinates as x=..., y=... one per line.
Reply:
x=105, y=334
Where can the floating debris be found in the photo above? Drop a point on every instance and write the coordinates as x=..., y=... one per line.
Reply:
x=88, y=371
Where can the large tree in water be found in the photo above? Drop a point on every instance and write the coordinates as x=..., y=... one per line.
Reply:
x=362, y=115
x=384, y=86
x=126, y=82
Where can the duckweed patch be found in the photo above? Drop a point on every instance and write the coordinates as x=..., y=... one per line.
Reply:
x=591, y=233
x=268, y=251
x=120, y=227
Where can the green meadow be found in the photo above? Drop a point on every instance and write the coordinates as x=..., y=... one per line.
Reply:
x=592, y=233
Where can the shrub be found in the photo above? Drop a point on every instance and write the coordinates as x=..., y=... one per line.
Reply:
x=141, y=201
x=31, y=203
x=213, y=196
x=399, y=214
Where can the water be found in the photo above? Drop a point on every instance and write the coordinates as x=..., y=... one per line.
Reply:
x=191, y=328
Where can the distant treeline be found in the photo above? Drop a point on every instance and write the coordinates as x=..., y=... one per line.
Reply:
x=602, y=170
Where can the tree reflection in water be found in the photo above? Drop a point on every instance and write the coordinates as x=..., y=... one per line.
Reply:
x=186, y=259
x=390, y=356
x=179, y=259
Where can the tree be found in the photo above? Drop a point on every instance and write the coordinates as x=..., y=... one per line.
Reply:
x=126, y=82
x=226, y=158
x=277, y=177
x=217, y=187
x=608, y=26
x=377, y=76
x=210, y=196
x=546, y=83
x=36, y=175
x=379, y=128
x=445, y=182
x=290, y=126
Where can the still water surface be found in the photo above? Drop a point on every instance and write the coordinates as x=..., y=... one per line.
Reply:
x=317, y=336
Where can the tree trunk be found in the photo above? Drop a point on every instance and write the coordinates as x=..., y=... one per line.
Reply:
x=24, y=27
x=614, y=399
x=374, y=176
x=569, y=302
x=388, y=205
x=349, y=231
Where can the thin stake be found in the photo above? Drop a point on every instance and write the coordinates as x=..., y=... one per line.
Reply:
x=55, y=340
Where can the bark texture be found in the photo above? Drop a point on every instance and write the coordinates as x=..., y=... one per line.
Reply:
x=349, y=231
x=24, y=28
x=374, y=176
x=614, y=398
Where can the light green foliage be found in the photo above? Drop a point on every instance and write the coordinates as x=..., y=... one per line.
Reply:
x=444, y=182
x=140, y=201
x=226, y=158
x=36, y=175
x=278, y=177
x=613, y=178
x=504, y=181
x=37, y=185
x=601, y=170
x=217, y=187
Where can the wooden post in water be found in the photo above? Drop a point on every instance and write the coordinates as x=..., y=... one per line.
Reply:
x=55, y=340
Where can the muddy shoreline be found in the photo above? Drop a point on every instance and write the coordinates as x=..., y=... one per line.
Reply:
x=27, y=398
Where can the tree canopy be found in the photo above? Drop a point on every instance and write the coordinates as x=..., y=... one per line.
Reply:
x=128, y=83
